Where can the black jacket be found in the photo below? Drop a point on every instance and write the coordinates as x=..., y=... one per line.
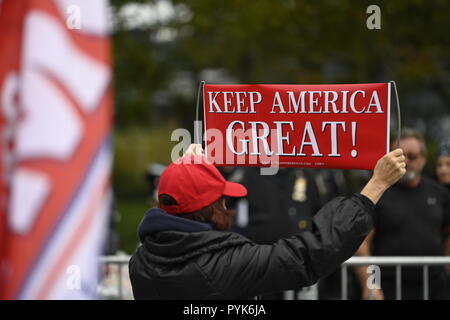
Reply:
x=185, y=259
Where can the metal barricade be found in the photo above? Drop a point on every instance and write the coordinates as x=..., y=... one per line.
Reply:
x=121, y=287
x=398, y=262
x=116, y=268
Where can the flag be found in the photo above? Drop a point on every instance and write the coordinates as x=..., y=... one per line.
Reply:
x=55, y=121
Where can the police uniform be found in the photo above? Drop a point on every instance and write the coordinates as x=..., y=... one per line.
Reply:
x=277, y=206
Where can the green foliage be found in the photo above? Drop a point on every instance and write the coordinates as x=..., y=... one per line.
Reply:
x=137, y=76
x=131, y=212
x=135, y=149
x=289, y=41
x=293, y=41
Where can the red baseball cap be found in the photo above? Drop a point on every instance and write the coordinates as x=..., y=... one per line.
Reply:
x=195, y=183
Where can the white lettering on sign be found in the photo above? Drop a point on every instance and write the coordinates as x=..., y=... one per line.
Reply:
x=313, y=102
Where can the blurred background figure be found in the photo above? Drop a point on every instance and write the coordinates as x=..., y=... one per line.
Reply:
x=443, y=163
x=112, y=242
x=279, y=206
x=443, y=176
x=411, y=219
x=152, y=175
x=334, y=183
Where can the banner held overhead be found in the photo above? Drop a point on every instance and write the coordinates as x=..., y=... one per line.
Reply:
x=319, y=126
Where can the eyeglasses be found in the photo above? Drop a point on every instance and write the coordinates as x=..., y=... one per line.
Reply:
x=412, y=156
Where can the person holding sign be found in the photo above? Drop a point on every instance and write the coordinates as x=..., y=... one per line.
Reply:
x=187, y=251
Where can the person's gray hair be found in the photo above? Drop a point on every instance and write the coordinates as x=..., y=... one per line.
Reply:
x=407, y=133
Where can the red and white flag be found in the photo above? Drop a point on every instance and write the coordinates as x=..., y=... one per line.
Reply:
x=55, y=121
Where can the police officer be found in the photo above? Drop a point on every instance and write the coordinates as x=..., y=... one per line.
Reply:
x=277, y=206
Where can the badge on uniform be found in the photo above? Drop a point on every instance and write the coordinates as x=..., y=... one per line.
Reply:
x=299, y=192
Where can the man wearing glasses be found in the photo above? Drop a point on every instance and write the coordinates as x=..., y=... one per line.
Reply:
x=412, y=219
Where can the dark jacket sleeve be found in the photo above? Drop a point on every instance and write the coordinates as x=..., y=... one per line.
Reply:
x=338, y=230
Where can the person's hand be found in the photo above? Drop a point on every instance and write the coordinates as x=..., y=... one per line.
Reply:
x=388, y=170
x=194, y=150
x=372, y=294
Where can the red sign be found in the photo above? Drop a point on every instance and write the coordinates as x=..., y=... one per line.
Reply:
x=319, y=126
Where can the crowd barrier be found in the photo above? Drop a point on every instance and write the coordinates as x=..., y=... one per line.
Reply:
x=123, y=287
x=398, y=263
